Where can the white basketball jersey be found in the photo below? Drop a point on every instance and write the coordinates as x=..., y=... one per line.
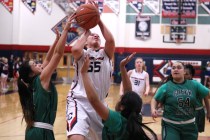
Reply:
x=138, y=81
x=100, y=71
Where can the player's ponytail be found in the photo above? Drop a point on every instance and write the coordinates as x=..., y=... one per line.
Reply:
x=132, y=104
x=26, y=93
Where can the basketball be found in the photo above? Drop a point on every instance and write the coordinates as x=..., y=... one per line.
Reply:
x=87, y=16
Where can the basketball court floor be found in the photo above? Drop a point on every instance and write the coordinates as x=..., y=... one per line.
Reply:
x=13, y=128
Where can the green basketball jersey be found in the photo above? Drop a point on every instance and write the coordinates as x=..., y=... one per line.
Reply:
x=45, y=103
x=115, y=127
x=180, y=100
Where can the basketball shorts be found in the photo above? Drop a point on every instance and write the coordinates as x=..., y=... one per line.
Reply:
x=200, y=119
x=179, y=131
x=82, y=119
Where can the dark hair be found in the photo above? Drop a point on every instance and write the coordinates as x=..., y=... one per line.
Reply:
x=132, y=104
x=25, y=91
x=191, y=69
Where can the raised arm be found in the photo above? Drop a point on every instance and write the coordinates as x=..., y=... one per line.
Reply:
x=58, y=53
x=92, y=96
x=121, y=84
x=77, y=49
x=109, y=40
x=51, y=50
x=126, y=83
x=121, y=89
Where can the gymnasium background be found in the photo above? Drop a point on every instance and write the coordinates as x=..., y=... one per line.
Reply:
x=27, y=30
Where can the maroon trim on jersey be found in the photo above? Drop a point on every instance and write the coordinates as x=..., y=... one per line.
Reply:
x=100, y=58
x=76, y=82
x=71, y=124
x=74, y=120
x=77, y=75
x=137, y=78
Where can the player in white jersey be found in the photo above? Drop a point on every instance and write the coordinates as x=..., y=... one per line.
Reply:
x=82, y=120
x=139, y=79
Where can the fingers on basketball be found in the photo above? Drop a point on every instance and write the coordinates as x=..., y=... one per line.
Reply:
x=87, y=16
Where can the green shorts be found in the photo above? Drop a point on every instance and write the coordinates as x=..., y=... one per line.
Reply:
x=179, y=131
x=200, y=119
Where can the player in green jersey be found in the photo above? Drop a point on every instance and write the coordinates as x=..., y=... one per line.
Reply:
x=200, y=112
x=38, y=95
x=179, y=99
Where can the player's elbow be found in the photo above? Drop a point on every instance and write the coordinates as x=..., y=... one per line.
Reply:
x=75, y=49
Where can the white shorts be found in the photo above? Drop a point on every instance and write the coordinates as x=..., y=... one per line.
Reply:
x=82, y=119
x=4, y=75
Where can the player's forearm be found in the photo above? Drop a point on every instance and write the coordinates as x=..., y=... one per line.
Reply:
x=50, y=52
x=60, y=47
x=147, y=90
x=77, y=49
x=126, y=83
x=109, y=40
x=154, y=104
x=92, y=96
x=105, y=32
x=58, y=53
x=90, y=90
x=121, y=89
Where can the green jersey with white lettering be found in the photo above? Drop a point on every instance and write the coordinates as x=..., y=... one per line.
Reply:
x=180, y=100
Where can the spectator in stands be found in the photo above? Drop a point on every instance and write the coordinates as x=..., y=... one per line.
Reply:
x=4, y=74
x=16, y=67
x=11, y=62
